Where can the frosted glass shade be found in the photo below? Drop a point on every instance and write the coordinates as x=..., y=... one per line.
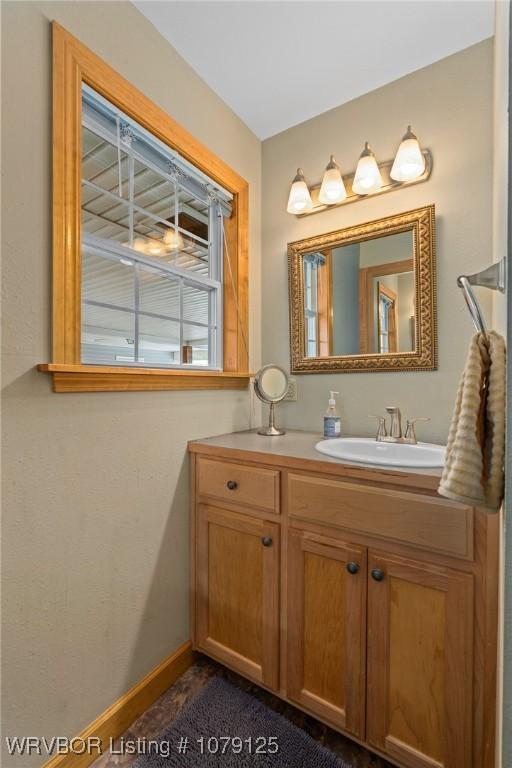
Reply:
x=332, y=189
x=367, y=178
x=409, y=162
x=299, y=199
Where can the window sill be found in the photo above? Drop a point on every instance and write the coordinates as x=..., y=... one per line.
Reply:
x=104, y=378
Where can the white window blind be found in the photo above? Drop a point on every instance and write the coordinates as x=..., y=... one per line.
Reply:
x=152, y=248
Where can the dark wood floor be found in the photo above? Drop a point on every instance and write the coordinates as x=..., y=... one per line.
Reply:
x=159, y=716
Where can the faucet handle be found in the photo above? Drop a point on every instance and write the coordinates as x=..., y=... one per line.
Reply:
x=382, y=431
x=410, y=432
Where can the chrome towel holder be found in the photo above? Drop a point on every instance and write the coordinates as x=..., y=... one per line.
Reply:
x=492, y=277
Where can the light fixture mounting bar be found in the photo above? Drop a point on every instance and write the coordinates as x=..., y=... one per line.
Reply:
x=388, y=185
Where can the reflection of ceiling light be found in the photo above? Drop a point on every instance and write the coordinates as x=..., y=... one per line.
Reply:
x=151, y=247
x=173, y=240
x=126, y=262
x=154, y=248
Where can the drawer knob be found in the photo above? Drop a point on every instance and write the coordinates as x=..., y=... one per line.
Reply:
x=377, y=574
x=232, y=485
x=352, y=568
x=266, y=541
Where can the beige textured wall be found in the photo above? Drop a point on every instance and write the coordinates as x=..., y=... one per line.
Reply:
x=450, y=107
x=95, y=512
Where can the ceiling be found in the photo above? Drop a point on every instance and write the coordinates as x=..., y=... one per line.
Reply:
x=277, y=64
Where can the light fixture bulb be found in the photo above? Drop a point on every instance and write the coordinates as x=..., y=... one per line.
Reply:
x=173, y=240
x=367, y=178
x=332, y=189
x=409, y=161
x=299, y=200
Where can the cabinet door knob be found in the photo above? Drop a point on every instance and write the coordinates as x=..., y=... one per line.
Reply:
x=352, y=568
x=266, y=541
x=377, y=574
x=232, y=485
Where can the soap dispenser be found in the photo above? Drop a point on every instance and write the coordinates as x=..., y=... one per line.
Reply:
x=332, y=419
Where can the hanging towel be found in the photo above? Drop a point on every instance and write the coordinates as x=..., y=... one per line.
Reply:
x=475, y=453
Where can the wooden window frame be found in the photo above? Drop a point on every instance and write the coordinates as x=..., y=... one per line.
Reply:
x=74, y=64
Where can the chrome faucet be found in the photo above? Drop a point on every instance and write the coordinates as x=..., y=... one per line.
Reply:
x=395, y=428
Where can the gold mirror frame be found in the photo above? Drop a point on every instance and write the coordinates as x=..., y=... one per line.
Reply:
x=421, y=222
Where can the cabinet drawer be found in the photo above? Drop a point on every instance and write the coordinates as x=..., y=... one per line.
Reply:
x=427, y=522
x=250, y=486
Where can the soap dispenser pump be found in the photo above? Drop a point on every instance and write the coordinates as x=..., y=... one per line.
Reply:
x=332, y=419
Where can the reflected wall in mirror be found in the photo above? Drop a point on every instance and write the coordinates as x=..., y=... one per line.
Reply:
x=363, y=298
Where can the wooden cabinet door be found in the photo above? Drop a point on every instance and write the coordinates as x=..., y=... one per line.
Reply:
x=420, y=640
x=326, y=628
x=238, y=592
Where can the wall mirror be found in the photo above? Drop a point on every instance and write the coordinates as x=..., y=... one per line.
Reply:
x=364, y=298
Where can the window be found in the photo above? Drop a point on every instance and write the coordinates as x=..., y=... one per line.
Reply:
x=386, y=319
x=150, y=252
x=310, y=304
x=152, y=248
x=318, y=304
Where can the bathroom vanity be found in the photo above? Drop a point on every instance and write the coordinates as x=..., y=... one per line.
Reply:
x=354, y=592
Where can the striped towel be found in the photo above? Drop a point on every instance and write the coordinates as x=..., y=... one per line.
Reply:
x=475, y=454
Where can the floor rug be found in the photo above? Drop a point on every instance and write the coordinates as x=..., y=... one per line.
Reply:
x=225, y=727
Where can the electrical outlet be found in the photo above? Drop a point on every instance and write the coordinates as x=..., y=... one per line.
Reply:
x=292, y=390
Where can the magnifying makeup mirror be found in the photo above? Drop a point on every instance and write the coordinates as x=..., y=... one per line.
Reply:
x=271, y=386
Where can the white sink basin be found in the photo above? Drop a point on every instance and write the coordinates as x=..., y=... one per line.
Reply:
x=367, y=450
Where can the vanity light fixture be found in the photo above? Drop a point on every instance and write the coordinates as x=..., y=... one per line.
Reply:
x=299, y=200
x=411, y=165
x=367, y=178
x=332, y=189
x=409, y=161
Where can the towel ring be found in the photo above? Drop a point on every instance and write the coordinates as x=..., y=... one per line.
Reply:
x=492, y=277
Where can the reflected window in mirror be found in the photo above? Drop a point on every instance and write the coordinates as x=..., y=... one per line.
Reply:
x=387, y=320
x=317, y=310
